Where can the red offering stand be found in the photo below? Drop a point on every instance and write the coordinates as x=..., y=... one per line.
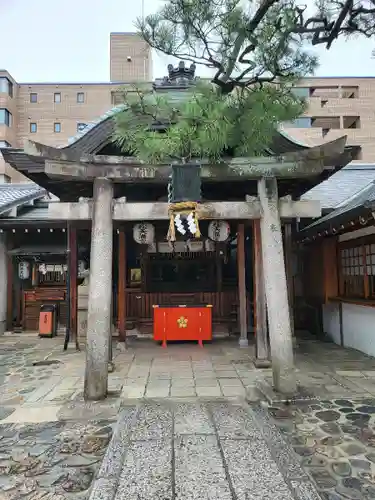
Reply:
x=182, y=323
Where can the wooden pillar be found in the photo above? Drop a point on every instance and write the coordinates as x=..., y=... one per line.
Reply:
x=3, y=283
x=261, y=330
x=219, y=266
x=10, y=281
x=242, y=284
x=100, y=292
x=121, y=292
x=289, y=270
x=73, y=284
x=276, y=288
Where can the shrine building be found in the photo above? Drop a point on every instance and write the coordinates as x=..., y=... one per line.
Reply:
x=93, y=238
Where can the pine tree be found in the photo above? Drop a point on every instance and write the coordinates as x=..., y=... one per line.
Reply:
x=249, y=96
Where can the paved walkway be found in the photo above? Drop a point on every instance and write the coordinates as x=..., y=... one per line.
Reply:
x=32, y=393
x=216, y=450
x=185, y=387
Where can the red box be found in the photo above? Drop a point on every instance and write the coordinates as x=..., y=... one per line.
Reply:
x=182, y=323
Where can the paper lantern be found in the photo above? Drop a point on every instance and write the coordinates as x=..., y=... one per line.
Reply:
x=218, y=230
x=24, y=270
x=144, y=233
x=42, y=269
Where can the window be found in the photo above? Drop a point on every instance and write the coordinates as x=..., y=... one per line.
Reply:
x=6, y=86
x=57, y=97
x=117, y=97
x=326, y=122
x=57, y=127
x=81, y=127
x=5, y=144
x=5, y=117
x=33, y=128
x=325, y=92
x=350, y=92
x=301, y=91
x=351, y=122
x=357, y=269
x=33, y=97
x=303, y=122
x=80, y=97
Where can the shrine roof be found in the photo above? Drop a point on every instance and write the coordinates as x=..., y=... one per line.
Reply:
x=13, y=196
x=298, y=170
x=99, y=133
x=342, y=185
x=355, y=210
x=68, y=171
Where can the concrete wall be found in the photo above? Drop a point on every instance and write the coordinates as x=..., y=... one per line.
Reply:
x=357, y=324
x=3, y=284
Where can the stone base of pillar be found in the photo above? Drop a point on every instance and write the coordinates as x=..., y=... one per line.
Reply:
x=243, y=342
x=262, y=363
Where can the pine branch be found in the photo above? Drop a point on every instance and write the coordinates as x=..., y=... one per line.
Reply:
x=222, y=35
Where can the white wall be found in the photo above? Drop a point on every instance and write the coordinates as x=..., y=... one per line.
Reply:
x=3, y=284
x=358, y=324
x=331, y=321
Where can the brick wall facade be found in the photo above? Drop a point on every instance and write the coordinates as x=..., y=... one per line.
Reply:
x=130, y=58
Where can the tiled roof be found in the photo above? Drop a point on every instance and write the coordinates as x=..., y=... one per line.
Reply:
x=361, y=199
x=342, y=185
x=113, y=111
x=14, y=195
x=283, y=142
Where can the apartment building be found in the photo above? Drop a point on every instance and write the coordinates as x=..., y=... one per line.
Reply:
x=52, y=113
x=337, y=107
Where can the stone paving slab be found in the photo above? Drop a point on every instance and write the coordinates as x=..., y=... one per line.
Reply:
x=198, y=450
x=199, y=471
x=147, y=471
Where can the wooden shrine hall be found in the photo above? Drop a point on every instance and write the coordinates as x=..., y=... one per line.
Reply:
x=113, y=216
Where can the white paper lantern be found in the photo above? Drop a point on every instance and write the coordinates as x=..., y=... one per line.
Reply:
x=144, y=233
x=24, y=270
x=218, y=230
x=42, y=269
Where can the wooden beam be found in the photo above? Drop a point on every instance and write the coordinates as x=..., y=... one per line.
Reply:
x=242, y=284
x=261, y=329
x=73, y=284
x=159, y=210
x=121, y=292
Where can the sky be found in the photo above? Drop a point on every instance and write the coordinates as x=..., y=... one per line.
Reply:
x=68, y=41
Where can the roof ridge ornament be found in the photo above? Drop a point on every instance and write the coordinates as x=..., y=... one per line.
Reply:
x=178, y=76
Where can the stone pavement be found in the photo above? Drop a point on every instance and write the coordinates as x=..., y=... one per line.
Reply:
x=221, y=373
x=51, y=460
x=335, y=441
x=29, y=392
x=187, y=450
